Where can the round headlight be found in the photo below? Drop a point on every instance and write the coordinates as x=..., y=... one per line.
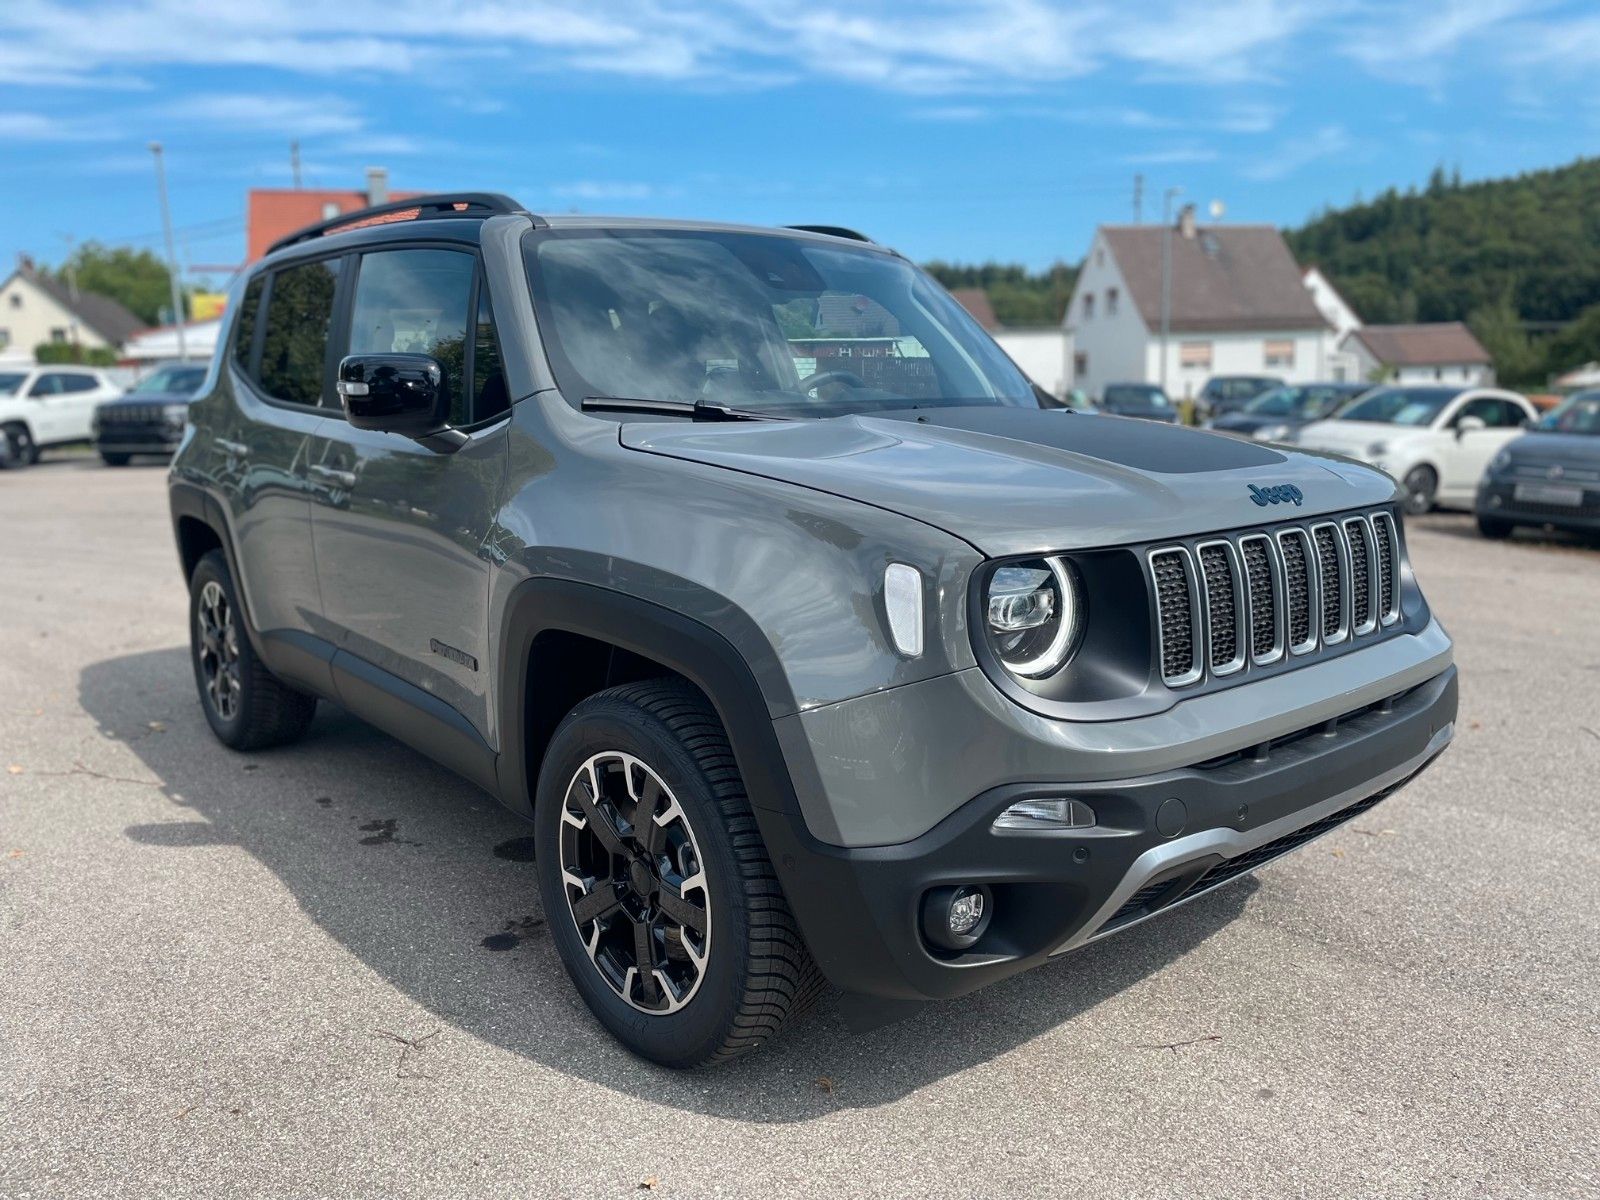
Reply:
x=1377, y=449
x=175, y=414
x=1032, y=615
x=1271, y=433
x=1500, y=462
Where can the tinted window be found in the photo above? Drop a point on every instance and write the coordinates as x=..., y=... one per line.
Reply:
x=10, y=383
x=79, y=383
x=1135, y=396
x=1496, y=414
x=244, y=334
x=295, y=351
x=415, y=302
x=46, y=385
x=490, y=397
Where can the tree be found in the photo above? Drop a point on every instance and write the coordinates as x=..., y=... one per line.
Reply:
x=136, y=278
x=1517, y=361
x=1577, y=344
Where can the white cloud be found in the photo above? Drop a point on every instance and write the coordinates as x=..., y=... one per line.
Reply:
x=1330, y=141
x=290, y=116
x=41, y=127
x=601, y=189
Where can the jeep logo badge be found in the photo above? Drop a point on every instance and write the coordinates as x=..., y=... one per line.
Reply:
x=1281, y=493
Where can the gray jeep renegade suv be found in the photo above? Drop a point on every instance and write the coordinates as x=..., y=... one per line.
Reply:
x=815, y=646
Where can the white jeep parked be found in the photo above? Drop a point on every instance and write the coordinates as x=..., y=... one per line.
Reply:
x=49, y=406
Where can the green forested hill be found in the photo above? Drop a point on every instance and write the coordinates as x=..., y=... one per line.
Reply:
x=1500, y=255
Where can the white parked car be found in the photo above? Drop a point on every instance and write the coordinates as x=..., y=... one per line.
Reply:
x=48, y=406
x=1436, y=440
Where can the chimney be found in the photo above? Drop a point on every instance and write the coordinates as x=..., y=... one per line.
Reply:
x=377, y=185
x=1186, y=223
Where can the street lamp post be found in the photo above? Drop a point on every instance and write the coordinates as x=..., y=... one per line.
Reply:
x=1166, y=275
x=172, y=253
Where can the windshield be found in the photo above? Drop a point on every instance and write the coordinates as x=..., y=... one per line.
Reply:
x=1135, y=395
x=772, y=324
x=1578, y=413
x=10, y=383
x=1401, y=406
x=1305, y=403
x=177, y=381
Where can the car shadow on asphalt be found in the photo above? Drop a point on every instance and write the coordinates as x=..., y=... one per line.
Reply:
x=430, y=884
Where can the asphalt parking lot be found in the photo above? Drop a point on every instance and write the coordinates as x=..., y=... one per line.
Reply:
x=323, y=970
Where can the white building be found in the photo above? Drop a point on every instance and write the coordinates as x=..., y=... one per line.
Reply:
x=1044, y=352
x=1238, y=306
x=35, y=309
x=1343, y=320
x=1445, y=352
x=161, y=343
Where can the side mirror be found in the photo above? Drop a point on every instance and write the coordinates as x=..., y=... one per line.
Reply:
x=406, y=394
x=1468, y=425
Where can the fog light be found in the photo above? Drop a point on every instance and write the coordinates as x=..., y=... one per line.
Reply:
x=1049, y=812
x=954, y=918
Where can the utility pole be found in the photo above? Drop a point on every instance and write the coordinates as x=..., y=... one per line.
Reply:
x=69, y=268
x=294, y=163
x=1138, y=199
x=1171, y=194
x=172, y=253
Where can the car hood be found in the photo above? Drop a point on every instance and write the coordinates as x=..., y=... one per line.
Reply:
x=1019, y=481
x=1568, y=449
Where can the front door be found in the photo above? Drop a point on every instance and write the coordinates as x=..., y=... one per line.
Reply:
x=402, y=531
x=1466, y=452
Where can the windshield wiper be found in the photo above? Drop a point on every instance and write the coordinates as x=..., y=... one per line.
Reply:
x=699, y=410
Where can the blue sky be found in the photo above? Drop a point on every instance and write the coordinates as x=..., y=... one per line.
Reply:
x=1002, y=129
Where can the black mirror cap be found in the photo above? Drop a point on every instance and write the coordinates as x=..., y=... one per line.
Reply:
x=406, y=394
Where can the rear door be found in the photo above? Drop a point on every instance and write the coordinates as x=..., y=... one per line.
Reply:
x=402, y=531
x=49, y=408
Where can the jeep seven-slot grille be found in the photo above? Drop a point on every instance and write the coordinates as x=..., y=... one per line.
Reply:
x=1221, y=617
x=1222, y=600
x=1297, y=583
x=1171, y=571
x=1383, y=531
x=1329, y=571
x=1263, y=610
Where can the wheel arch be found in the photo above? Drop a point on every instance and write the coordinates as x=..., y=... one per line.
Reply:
x=198, y=527
x=560, y=638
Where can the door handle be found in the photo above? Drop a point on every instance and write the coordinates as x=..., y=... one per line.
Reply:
x=233, y=449
x=344, y=479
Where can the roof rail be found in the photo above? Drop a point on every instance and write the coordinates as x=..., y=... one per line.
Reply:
x=838, y=231
x=470, y=205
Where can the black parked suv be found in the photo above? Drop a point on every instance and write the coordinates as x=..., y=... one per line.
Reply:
x=150, y=417
x=746, y=565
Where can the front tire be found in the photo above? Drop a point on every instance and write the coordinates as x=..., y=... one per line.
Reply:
x=114, y=460
x=656, y=886
x=247, y=707
x=21, y=450
x=1495, y=527
x=1422, y=485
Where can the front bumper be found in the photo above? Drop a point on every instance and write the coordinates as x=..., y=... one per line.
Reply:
x=1497, y=499
x=860, y=908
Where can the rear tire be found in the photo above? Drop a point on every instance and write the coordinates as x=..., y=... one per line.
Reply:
x=648, y=766
x=1495, y=527
x=1422, y=485
x=115, y=460
x=247, y=707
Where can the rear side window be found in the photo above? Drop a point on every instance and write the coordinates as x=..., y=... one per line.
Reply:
x=78, y=383
x=294, y=351
x=244, y=334
x=417, y=301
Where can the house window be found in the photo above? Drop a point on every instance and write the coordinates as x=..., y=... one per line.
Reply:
x=1112, y=296
x=16, y=299
x=5, y=338
x=1080, y=364
x=1195, y=355
x=1088, y=306
x=58, y=335
x=1280, y=354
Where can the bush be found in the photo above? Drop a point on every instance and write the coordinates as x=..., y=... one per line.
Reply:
x=48, y=354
